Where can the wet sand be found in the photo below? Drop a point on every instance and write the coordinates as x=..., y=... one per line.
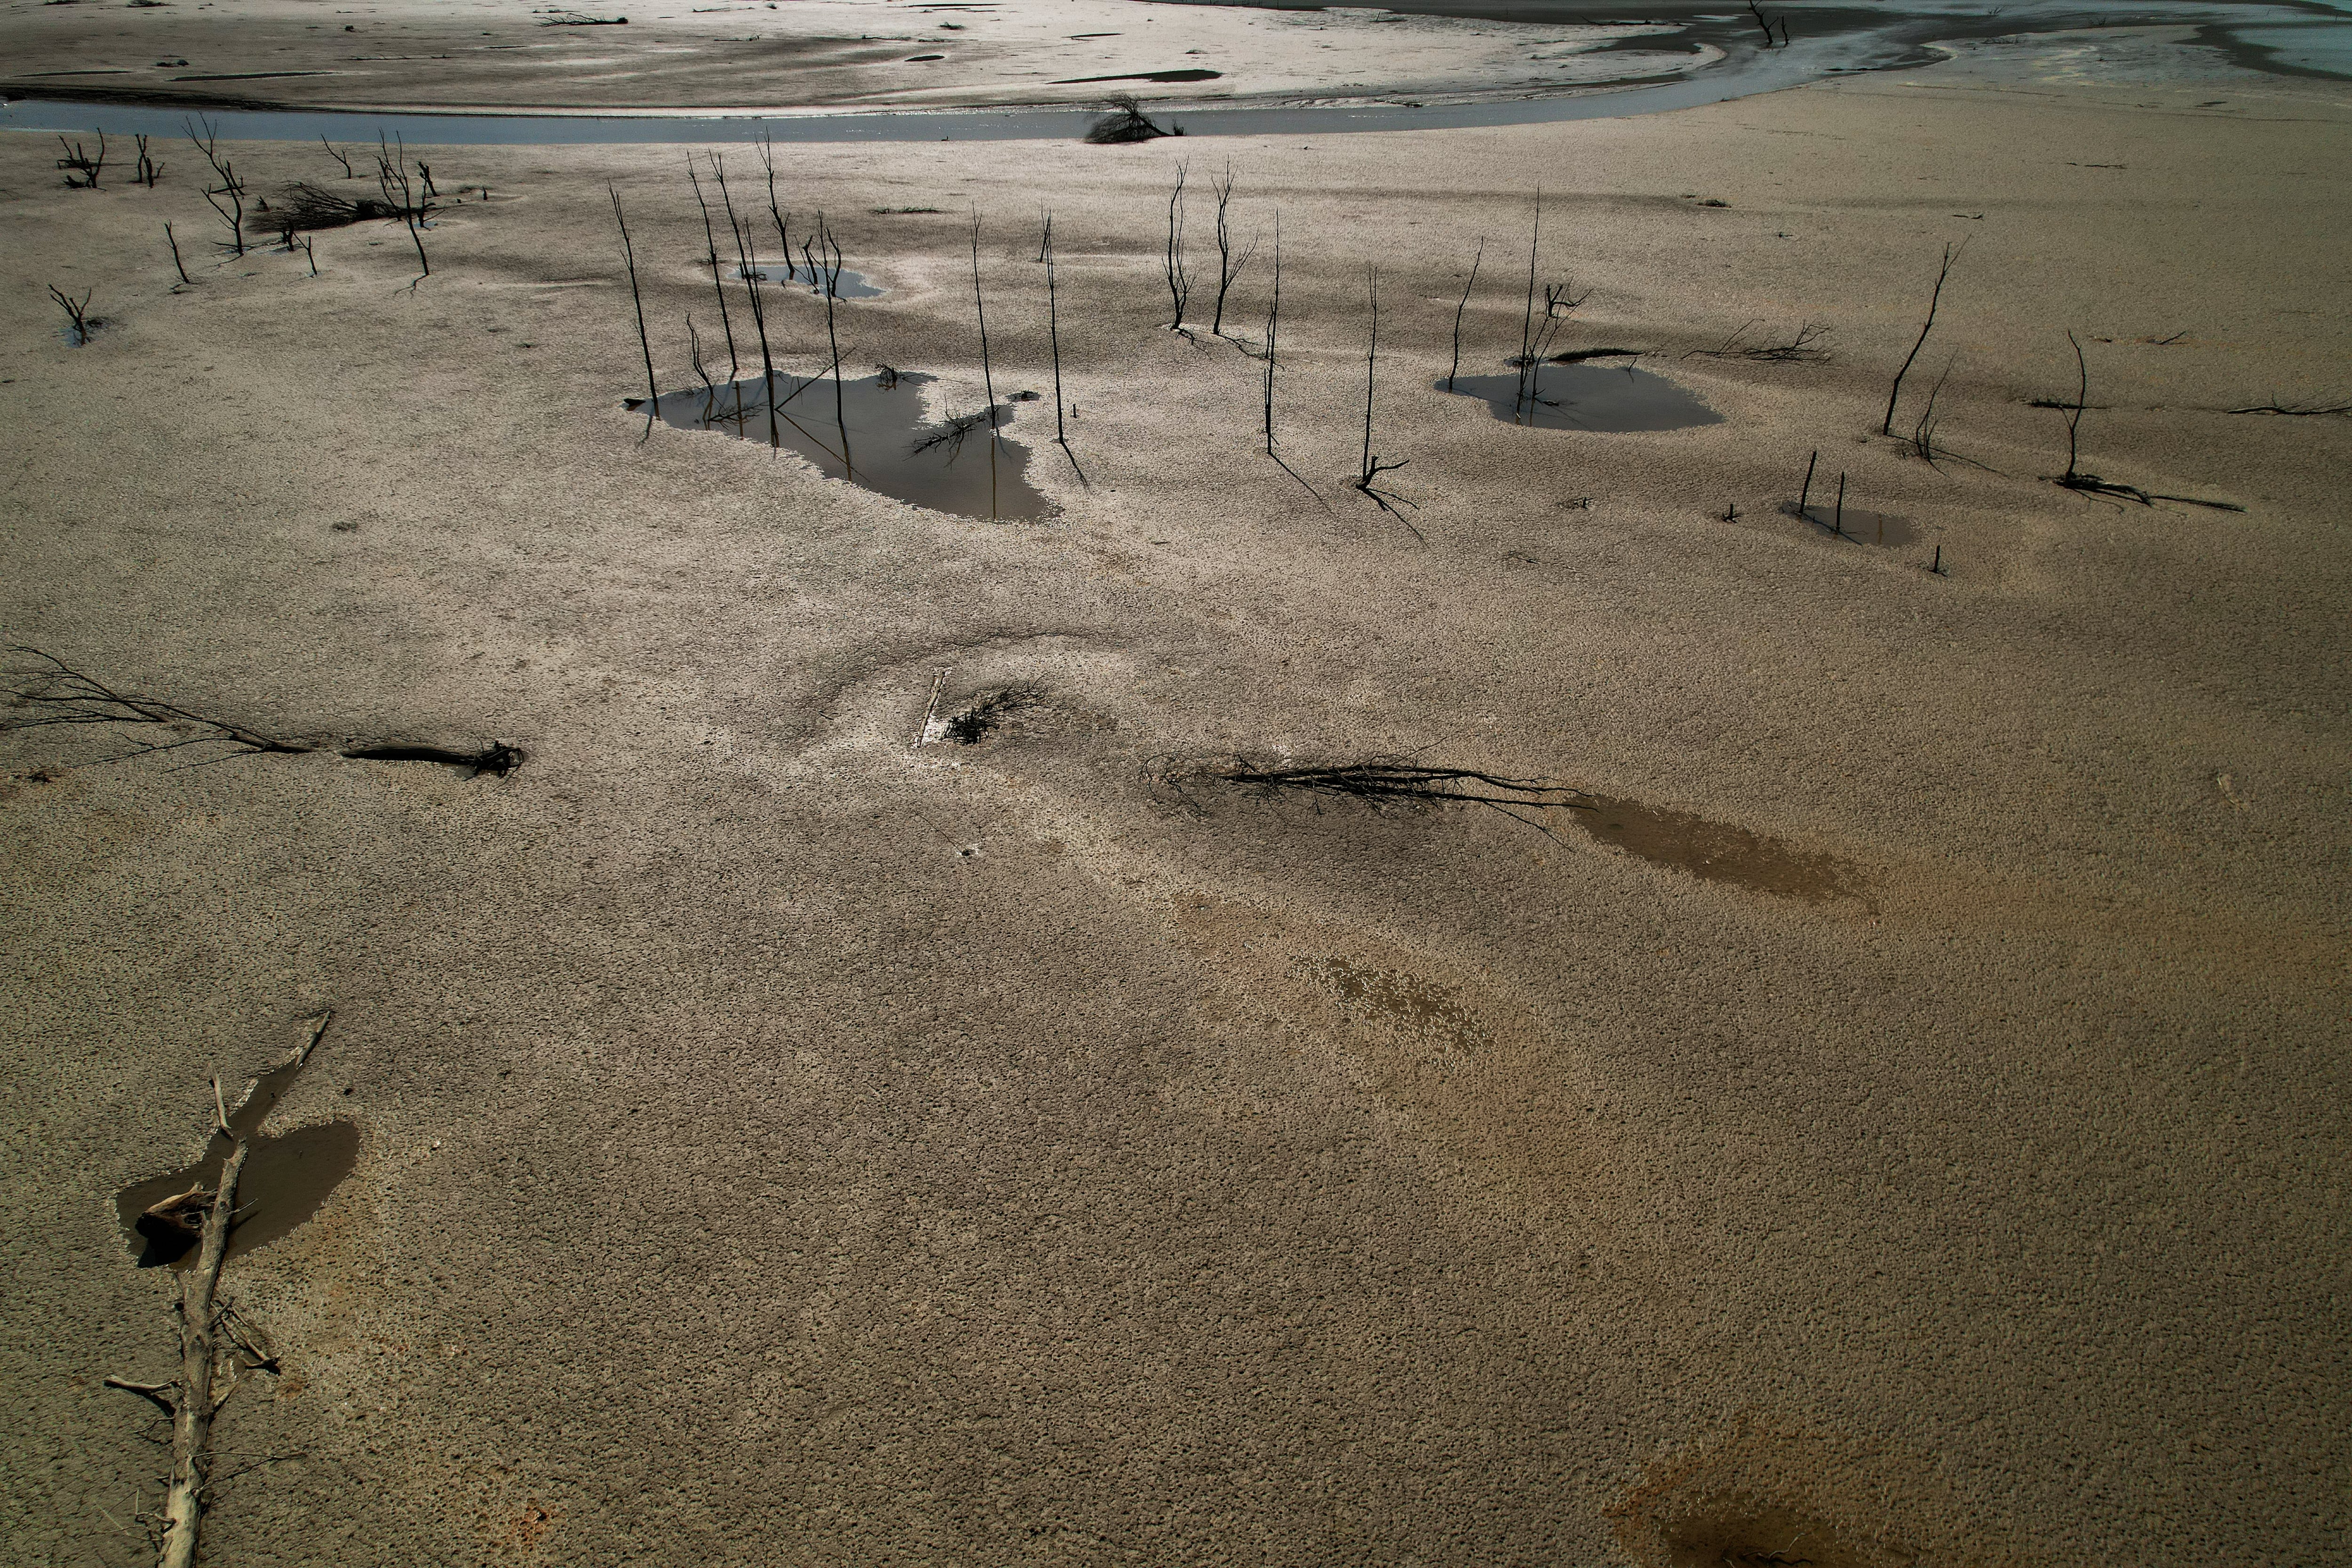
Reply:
x=1902, y=1125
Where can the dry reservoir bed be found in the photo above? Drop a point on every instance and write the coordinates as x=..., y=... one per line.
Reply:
x=1605, y=1009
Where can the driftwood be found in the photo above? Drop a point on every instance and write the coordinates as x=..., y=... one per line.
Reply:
x=50, y=692
x=212, y=1339
x=1804, y=348
x=1397, y=780
x=303, y=206
x=1125, y=122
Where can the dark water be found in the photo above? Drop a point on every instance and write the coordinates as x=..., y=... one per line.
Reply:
x=846, y=284
x=879, y=437
x=1589, y=397
x=285, y=1180
x=1661, y=71
x=1852, y=523
x=1719, y=852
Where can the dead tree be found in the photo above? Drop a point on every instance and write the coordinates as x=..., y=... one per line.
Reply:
x=1922, y=433
x=1125, y=122
x=78, y=161
x=77, y=312
x=392, y=178
x=177, y=264
x=987, y=376
x=1367, y=480
x=636, y=296
x=1951, y=254
x=338, y=155
x=832, y=341
x=1272, y=360
x=1228, y=269
x=146, y=172
x=748, y=265
x=1802, y=348
x=48, y=692
x=216, y=1345
x=1477, y=256
x=1054, y=336
x=1180, y=278
x=2075, y=480
x=1382, y=782
x=1527, y=357
x=229, y=207
x=205, y=134
x=711, y=254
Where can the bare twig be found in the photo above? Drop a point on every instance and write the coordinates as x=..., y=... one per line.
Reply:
x=2297, y=410
x=1228, y=269
x=1951, y=254
x=78, y=161
x=1804, y=348
x=1367, y=482
x=77, y=311
x=1125, y=122
x=1054, y=334
x=1477, y=256
x=2081, y=483
x=177, y=264
x=1180, y=278
x=629, y=255
x=711, y=253
x=1399, y=780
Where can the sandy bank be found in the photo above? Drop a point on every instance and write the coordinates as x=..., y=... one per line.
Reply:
x=783, y=1140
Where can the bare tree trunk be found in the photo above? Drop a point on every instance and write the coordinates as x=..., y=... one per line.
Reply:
x=1053, y=331
x=1951, y=252
x=629, y=254
x=710, y=240
x=192, y=1421
x=1528, y=324
x=987, y=378
x=1454, y=368
x=1180, y=281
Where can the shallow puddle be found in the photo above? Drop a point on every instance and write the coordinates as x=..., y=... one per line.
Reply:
x=1876, y=528
x=1718, y=852
x=1588, y=397
x=878, y=437
x=846, y=284
x=284, y=1182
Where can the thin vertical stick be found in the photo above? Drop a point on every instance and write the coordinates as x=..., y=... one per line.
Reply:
x=832, y=341
x=749, y=257
x=629, y=254
x=734, y=365
x=1452, y=369
x=1273, y=326
x=1837, y=518
x=987, y=378
x=1179, y=283
x=1527, y=322
x=1371, y=356
x=1053, y=331
x=177, y=266
x=2082, y=397
x=1951, y=252
x=1805, y=496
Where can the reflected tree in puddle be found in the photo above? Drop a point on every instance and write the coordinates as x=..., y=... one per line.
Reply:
x=1586, y=397
x=872, y=432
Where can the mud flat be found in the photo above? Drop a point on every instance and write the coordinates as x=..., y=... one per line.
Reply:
x=1900, y=1123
